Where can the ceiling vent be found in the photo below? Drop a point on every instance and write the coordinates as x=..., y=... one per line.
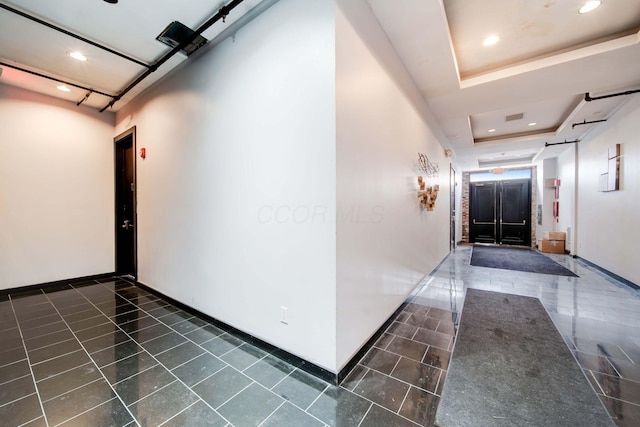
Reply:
x=176, y=33
x=513, y=117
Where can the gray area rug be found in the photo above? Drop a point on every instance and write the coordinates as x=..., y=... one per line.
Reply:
x=510, y=367
x=517, y=259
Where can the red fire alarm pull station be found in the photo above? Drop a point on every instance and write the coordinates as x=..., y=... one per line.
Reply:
x=143, y=153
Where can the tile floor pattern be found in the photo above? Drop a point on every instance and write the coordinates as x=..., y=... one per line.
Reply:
x=109, y=353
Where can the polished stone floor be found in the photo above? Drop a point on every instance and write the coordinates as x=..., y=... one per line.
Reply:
x=598, y=317
x=109, y=353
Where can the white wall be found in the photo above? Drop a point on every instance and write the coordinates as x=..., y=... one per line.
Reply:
x=567, y=176
x=56, y=189
x=539, y=188
x=562, y=168
x=608, y=232
x=546, y=197
x=458, y=203
x=385, y=242
x=236, y=198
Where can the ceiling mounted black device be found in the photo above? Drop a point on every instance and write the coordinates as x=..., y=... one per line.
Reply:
x=176, y=33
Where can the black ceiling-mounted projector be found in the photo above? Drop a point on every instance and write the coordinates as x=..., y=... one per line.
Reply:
x=176, y=32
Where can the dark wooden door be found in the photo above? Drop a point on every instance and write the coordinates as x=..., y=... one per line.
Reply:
x=125, y=200
x=482, y=212
x=515, y=213
x=500, y=212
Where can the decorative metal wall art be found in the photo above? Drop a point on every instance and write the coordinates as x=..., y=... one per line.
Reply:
x=429, y=168
x=427, y=195
x=610, y=180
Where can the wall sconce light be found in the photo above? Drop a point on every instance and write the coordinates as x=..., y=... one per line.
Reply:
x=447, y=153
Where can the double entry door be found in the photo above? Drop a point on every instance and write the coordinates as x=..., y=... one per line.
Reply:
x=500, y=212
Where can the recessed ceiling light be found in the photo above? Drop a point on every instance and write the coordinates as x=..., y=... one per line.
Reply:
x=491, y=130
x=491, y=40
x=78, y=56
x=63, y=88
x=589, y=6
x=532, y=124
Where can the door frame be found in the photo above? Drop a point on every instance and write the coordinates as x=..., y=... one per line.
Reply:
x=452, y=208
x=129, y=132
x=498, y=209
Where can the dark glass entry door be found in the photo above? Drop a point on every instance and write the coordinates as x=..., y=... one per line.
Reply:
x=500, y=212
x=125, y=200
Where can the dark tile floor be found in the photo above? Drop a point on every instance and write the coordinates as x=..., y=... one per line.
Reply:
x=110, y=353
x=405, y=369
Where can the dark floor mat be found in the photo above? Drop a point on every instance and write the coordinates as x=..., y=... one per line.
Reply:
x=510, y=367
x=517, y=259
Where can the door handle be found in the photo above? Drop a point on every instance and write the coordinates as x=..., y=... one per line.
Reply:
x=127, y=224
x=483, y=223
x=524, y=222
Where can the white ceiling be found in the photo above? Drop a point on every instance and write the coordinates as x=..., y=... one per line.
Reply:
x=128, y=27
x=548, y=57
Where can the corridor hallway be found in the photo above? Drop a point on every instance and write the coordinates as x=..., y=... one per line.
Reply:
x=110, y=353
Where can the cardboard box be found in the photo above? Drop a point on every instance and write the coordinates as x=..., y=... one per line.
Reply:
x=552, y=246
x=554, y=235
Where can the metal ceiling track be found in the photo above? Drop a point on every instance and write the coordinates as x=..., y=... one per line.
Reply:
x=59, y=80
x=547, y=144
x=222, y=14
x=150, y=68
x=70, y=34
x=589, y=98
x=55, y=79
x=585, y=122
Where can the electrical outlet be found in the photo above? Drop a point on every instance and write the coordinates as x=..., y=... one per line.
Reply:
x=284, y=315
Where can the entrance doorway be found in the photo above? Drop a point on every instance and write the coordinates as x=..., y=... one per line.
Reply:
x=452, y=209
x=125, y=203
x=500, y=212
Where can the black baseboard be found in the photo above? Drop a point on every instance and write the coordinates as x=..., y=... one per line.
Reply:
x=620, y=279
x=365, y=348
x=53, y=286
x=292, y=359
x=305, y=365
